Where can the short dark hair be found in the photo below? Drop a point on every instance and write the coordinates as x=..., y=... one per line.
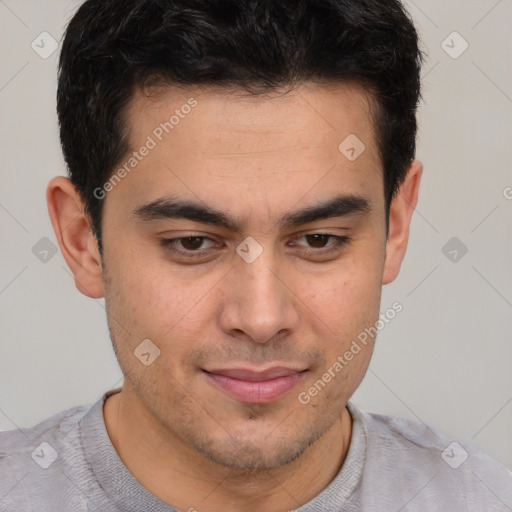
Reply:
x=111, y=47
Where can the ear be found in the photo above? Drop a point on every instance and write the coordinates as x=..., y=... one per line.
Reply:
x=76, y=240
x=401, y=210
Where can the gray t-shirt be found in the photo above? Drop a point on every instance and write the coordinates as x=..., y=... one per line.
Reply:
x=67, y=463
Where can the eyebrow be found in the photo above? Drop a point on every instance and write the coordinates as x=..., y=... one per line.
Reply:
x=174, y=208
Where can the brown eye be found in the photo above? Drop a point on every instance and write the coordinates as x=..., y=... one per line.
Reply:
x=318, y=240
x=189, y=246
x=321, y=245
x=191, y=243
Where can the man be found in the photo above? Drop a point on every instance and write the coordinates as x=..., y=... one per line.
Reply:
x=242, y=181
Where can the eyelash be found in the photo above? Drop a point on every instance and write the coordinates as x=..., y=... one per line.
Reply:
x=340, y=242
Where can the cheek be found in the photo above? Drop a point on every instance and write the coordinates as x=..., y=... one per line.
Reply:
x=144, y=305
x=161, y=303
x=345, y=300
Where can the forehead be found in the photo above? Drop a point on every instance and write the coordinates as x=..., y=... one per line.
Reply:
x=219, y=145
x=307, y=116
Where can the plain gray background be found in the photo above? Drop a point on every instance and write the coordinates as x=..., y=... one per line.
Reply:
x=444, y=360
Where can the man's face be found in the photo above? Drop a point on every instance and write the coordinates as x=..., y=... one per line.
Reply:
x=220, y=316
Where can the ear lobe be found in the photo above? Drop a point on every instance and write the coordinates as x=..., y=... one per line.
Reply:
x=401, y=210
x=73, y=231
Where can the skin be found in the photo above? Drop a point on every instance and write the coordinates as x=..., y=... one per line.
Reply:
x=255, y=158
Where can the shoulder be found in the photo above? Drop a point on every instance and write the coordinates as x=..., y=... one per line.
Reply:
x=36, y=460
x=39, y=442
x=20, y=439
x=418, y=462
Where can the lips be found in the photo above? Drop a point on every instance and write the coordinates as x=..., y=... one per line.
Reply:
x=255, y=386
x=256, y=376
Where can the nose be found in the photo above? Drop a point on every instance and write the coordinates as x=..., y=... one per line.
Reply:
x=258, y=300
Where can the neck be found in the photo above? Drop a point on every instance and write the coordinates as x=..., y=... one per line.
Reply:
x=183, y=478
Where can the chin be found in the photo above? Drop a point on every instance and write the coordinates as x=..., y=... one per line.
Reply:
x=251, y=457
x=245, y=454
